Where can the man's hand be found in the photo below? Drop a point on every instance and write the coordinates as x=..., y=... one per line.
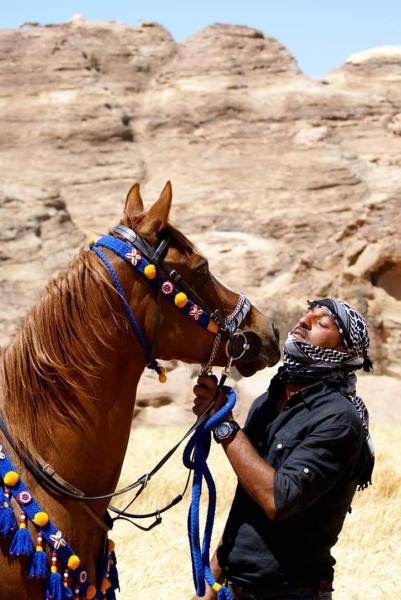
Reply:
x=210, y=595
x=205, y=391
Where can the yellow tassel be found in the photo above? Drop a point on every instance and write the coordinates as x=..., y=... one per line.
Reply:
x=180, y=300
x=162, y=376
x=212, y=326
x=73, y=562
x=41, y=519
x=11, y=478
x=150, y=271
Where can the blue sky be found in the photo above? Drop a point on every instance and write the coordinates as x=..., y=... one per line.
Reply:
x=321, y=34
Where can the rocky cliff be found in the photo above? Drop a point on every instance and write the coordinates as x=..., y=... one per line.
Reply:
x=291, y=185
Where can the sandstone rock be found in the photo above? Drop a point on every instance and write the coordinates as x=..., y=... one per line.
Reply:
x=290, y=185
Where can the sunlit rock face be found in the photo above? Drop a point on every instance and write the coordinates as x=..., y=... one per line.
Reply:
x=290, y=185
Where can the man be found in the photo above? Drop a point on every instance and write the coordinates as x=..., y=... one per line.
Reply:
x=303, y=452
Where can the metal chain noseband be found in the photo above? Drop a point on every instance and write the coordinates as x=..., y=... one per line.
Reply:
x=240, y=304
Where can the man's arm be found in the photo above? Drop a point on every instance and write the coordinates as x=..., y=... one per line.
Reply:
x=254, y=474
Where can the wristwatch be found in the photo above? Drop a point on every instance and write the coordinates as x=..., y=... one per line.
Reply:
x=224, y=430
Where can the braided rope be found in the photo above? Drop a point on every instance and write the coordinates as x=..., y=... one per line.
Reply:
x=154, y=364
x=195, y=458
x=123, y=298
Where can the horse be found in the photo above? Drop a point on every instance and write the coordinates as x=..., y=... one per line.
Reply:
x=69, y=375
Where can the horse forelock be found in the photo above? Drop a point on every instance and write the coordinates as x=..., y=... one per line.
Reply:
x=185, y=245
x=54, y=356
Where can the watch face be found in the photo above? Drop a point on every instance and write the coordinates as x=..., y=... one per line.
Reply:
x=223, y=430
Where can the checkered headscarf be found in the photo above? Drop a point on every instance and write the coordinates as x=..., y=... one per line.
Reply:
x=307, y=363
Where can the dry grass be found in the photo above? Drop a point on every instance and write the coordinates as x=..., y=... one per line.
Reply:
x=156, y=564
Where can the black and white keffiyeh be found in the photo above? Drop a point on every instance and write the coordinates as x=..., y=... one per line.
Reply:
x=307, y=363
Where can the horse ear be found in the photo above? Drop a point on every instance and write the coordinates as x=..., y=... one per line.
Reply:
x=133, y=202
x=156, y=218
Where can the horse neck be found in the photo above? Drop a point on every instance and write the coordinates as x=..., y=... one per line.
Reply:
x=77, y=417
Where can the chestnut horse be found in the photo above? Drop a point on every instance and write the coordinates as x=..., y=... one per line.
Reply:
x=69, y=377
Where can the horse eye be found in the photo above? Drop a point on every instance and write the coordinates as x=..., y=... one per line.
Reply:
x=203, y=271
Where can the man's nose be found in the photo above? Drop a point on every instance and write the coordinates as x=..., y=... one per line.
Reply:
x=305, y=321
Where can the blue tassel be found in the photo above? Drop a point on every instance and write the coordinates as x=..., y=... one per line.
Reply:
x=8, y=523
x=110, y=594
x=22, y=544
x=113, y=573
x=39, y=568
x=54, y=587
x=67, y=593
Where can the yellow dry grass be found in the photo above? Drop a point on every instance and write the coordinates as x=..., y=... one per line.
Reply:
x=157, y=564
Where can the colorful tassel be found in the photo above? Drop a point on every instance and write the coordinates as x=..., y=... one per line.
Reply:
x=112, y=569
x=161, y=371
x=54, y=585
x=110, y=594
x=8, y=523
x=22, y=544
x=67, y=593
x=39, y=568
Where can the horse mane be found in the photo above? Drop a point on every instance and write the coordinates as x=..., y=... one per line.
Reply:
x=53, y=357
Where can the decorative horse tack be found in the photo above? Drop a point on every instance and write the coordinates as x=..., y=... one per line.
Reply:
x=198, y=311
x=47, y=371
x=22, y=545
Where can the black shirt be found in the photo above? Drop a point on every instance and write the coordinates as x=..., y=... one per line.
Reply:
x=317, y=447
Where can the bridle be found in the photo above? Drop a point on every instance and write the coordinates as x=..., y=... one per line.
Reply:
x=141, y=255
x=244, y=345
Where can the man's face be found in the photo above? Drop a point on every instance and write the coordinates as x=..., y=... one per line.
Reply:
x=318, y=328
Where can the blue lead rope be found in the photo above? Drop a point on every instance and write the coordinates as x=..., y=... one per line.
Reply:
x=195, y=458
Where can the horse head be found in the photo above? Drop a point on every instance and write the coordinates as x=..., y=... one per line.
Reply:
x=181, y=337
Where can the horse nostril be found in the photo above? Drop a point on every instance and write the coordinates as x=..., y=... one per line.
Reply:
x=276, y=333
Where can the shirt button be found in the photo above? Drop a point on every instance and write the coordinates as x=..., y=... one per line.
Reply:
x=226, y=568
x=279, y=446
x=260, y=443
x=306, y=470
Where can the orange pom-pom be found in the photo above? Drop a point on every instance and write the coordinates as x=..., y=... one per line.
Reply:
x=162, y=376
x=150, y=271
x=180, y=300
x=111, y=543
x=73, y=562
x=90, y=592
x=105, y=584
x=212, y=326
x=41, y=519
x=11, y=478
